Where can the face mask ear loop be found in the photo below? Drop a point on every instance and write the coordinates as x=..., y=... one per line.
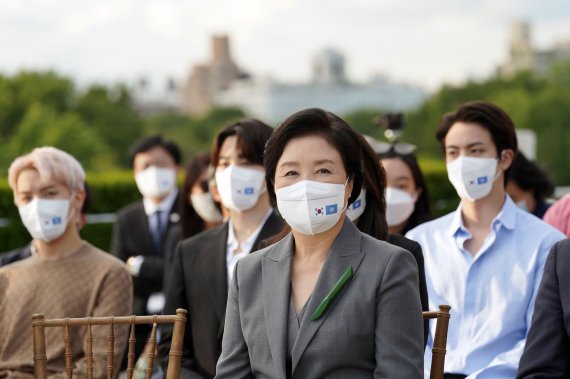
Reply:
x=345, y=205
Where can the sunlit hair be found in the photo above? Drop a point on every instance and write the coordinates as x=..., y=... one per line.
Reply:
x=52, y=164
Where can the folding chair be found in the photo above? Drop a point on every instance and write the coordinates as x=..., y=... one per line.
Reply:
x=439, y=340
x=39, y=323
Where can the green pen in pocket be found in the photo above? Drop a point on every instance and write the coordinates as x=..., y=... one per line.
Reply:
x=327, y=301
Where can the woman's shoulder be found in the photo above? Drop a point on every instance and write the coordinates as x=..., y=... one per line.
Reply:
x=384, y=251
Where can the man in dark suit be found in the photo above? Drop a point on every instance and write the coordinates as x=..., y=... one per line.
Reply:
x=547, y=350
x=203, y=264
x=140, y=229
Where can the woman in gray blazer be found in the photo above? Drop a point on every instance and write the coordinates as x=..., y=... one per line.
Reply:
x=326, y=300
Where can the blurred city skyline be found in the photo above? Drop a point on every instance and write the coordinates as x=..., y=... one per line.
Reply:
x=423, y=43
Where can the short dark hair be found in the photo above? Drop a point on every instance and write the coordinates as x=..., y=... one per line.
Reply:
x=146, y=143
x=333, y=129
x=422, y=208
x=252, y=135
x=487, y=115
x=531, y=177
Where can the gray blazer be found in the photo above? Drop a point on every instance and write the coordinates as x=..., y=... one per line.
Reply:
x=373, y=329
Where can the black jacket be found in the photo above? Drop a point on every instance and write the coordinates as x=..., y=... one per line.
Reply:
x=199, y=283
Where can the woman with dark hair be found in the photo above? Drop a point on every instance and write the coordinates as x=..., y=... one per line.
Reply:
x=326, y=300
x=197, y=208
x=407, y=199
x=529, y=185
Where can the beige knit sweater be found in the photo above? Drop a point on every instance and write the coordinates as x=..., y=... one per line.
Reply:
x=88, y=283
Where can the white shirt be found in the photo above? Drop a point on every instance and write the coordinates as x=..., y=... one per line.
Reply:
x=156, y=300
x=164, y=206
x=491, y=295
x=235, y=251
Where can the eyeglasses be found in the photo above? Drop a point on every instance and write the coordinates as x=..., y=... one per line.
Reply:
x=382, y=148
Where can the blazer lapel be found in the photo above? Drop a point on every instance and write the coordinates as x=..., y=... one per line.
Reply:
x=345, y=251
x=214, y=267
x=276, y=274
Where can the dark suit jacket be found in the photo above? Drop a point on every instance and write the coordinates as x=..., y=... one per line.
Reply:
x=199, y=283
x=547, y=350
x=15, y=255
x=372, y=329
x=131, y=237
x=416, y=250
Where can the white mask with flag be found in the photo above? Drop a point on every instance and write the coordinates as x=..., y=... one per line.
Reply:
x=45, y=219
x=156, y=181
x=311, y=207
x=355, y=210
x=239, y=187
x=472, y=177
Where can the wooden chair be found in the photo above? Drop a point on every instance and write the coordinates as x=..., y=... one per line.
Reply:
x=439, y=340
x=39, y=323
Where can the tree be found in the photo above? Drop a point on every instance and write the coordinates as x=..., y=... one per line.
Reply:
x=42, y=126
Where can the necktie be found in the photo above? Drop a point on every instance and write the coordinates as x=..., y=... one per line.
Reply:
x=157, y=233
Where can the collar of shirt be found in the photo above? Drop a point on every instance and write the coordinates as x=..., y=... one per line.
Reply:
x=506, y=217
x=164, y=206
x=232, y=253
x=247, y=245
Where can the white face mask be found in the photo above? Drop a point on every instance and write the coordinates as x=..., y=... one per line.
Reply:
x=204, y=205
x=399, y=206
x=311, y=207
x=355, y=210
x=239, y=187
x=472, y=177
x=156, y=181
x=45, y=219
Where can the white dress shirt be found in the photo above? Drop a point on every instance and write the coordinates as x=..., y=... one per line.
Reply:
x=491, y=295
x=164, y=206
x=235, y=251
x=156, y=300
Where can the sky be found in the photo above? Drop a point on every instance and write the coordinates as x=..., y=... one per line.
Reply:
x=422, y=42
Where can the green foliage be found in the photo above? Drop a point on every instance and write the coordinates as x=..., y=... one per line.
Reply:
x=17, y=93
x=192, y=135
x=108, y=112
x=43, y=126
x=364, y=120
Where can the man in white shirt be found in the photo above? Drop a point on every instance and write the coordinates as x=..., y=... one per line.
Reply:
x=485, y=259
x=203, y=264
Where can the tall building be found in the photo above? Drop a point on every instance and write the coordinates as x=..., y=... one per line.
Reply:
x=524, y=56
x=221, y=83
x=206, y=80
x=329, y=88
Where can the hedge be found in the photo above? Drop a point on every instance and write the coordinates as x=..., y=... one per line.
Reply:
x=113, y=190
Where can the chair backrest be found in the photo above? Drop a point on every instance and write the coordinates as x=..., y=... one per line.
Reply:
x=39, y=323
x=439, y=341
